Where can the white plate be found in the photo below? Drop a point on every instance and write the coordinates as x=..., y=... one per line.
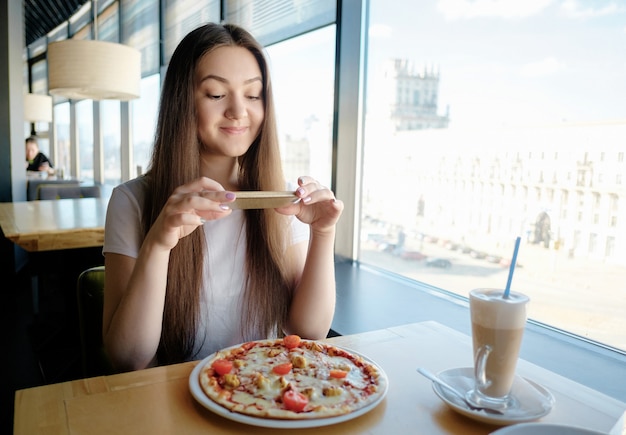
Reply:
x=537, y=401
x=201, y=397
x=544, y=429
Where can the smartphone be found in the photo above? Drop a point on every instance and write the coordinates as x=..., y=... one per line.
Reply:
x=265, y=199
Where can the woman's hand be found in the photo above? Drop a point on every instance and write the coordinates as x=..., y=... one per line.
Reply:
x=188, y=207
x=318, y=206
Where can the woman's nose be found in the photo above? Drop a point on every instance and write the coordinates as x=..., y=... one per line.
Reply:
x=236, y=108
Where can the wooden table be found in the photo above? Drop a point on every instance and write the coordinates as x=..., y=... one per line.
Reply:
x=54, y=225
x=158, y=400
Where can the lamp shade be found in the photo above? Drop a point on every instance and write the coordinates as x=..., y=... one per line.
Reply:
x=98, y=70
x=37, y=108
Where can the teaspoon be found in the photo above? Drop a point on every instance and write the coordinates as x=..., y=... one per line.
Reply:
x=450, y=388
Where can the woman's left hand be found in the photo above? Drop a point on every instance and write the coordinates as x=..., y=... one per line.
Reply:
x=317, y=207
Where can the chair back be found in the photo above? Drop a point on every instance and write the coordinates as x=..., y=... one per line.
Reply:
x=90, y=191
x=51, y=191
x=59, y=191
x=32, y=190
x=90, y=293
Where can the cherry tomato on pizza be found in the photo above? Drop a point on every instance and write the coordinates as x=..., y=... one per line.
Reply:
x=222, y=366
x=282, y=369
x=338, y=374
x=291, y=341
x=295, y=401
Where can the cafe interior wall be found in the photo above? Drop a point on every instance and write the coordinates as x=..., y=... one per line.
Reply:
x=12, y=153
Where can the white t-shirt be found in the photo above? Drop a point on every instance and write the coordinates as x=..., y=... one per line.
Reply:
x=220, y=324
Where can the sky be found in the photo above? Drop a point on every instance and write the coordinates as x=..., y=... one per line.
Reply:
x=511, y=62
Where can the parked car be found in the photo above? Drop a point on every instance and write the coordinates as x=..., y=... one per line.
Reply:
x=453, y=246
x=493, y=258
x=506, y=262
x=477, y=254
x=438, y=262
x=412, y=255
x=465, y=249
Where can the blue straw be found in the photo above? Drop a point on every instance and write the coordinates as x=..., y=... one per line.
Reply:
x=507, y=290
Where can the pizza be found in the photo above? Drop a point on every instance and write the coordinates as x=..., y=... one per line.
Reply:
x=291, y=379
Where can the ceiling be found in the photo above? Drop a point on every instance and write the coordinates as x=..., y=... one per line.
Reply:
x=42, y=16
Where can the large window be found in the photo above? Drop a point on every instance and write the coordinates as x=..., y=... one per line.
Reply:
x=272, y=21
x=181, y=17
x=490, y=120
x=140, y=29
x=84, y=121
x=62, y=131
x=144, y=116
x=110, y=129
x=303, y=78
x=39, y=85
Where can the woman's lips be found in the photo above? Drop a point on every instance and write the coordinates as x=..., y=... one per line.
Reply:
x=234, y=130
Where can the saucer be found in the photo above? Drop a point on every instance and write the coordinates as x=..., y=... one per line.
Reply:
x=532, y=400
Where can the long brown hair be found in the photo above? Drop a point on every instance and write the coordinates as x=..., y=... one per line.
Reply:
x=176, y=161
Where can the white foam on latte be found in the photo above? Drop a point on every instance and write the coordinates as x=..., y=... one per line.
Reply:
x=491, y=310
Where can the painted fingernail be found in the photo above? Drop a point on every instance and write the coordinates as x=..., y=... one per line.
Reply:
x=306, y=200
x=301, y=191
x=202, y=221
x=224, y=207
x=230, y=195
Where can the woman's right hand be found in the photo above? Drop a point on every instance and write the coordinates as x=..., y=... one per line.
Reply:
x=188, y=207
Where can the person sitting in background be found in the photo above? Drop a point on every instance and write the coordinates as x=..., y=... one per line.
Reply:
x=36, y=160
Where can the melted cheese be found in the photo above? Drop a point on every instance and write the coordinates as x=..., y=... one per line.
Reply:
x=261, y=387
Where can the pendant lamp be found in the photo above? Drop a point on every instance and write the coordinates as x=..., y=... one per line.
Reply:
x=96, y=70
x=37, y=108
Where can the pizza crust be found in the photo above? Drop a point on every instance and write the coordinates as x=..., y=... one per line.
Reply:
x=253, y=388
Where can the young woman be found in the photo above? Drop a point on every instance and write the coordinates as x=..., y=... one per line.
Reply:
x=187, y=275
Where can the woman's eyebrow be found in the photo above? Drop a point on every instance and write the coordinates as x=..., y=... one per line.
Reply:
x=224, y=80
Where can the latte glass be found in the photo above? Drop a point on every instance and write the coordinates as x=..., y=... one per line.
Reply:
x=497, y=329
